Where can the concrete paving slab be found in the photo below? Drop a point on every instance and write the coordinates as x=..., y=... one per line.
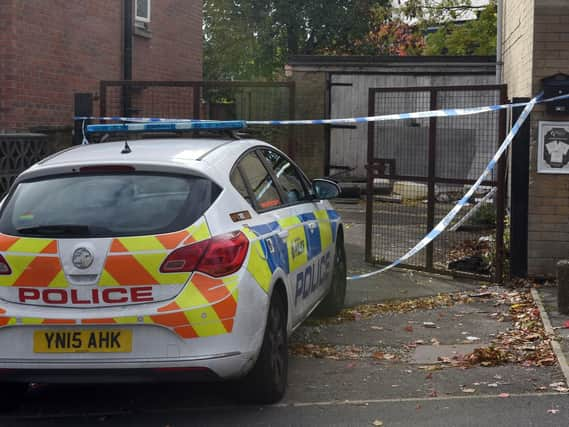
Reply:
x=325, y=379
x=432, y=354
x=403, y=284
x=392, y=330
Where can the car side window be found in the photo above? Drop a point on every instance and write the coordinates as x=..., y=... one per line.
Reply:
x=287, y=175
x=261, y=183
x=239, y=184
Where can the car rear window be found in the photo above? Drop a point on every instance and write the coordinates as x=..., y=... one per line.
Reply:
x=106, y=205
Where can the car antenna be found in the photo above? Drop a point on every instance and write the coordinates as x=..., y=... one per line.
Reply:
x=126, y=149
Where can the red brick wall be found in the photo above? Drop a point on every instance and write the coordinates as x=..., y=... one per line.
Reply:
x=174, y=52
x=53, y=49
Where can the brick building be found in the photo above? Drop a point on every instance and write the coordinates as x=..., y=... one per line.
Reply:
x=535, y=43
x=51, y=49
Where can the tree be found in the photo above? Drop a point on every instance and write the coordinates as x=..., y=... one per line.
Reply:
x=251, y=39
x=476, y=37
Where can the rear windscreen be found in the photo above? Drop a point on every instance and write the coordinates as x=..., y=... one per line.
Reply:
x=106, y=205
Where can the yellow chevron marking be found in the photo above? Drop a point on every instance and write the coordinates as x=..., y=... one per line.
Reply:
x=199, y=232
x=30, y=246
x=127, y=320
x=107, y=280
x=152, y=262
x=60, y=281
x=191, y=297
x=259, y=267
x=210, y=324
x=32, y=321
x=18, y=265
x=142, y=244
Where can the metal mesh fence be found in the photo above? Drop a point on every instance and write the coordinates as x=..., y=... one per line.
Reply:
x=401, y=149
x=419, y=169
x=17, y=153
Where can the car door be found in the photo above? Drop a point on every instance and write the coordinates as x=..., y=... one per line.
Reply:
x=309, y=259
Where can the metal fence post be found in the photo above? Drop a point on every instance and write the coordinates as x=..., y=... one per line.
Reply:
x=370, y=177
x=519, y=196
x=83, y=106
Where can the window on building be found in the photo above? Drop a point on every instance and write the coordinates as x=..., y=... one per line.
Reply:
x=142, y=11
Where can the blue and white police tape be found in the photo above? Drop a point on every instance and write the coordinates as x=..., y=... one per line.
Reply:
x=445, y=222
x=353, y=120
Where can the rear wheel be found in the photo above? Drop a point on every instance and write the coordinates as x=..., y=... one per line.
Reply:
x=266, y=383
x=11, y=395
x=334, y=301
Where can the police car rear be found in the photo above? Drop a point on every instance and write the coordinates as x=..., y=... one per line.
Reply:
x=125, y=262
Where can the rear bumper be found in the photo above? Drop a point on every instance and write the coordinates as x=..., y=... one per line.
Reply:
x=214, y=368
x=104, y=376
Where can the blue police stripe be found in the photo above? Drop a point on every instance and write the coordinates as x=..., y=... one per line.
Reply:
x=334, y=218
x=312, y=235
x=263, y=229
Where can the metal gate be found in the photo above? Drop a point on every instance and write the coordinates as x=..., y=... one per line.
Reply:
x=215, y=100
x=418, y=169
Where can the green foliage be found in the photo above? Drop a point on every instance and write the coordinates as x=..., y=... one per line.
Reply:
x=485, y=216
x=251, y=39
x=476, y=37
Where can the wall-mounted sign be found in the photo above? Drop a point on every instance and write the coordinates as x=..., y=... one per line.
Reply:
x=553, y=147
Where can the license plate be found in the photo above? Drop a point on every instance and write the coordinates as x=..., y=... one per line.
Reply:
x=83, y=341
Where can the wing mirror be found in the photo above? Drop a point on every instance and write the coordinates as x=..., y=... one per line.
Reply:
x=325, y=189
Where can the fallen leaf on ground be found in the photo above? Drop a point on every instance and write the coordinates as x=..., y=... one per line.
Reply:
x=472, y=339
x=430, y=368
x=409, y=328
x=558, y=384
x=504, y=395
x=468, y=390
x=566, y=324
x=377, y=423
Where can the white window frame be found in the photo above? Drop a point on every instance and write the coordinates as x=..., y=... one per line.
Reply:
x=145, y=19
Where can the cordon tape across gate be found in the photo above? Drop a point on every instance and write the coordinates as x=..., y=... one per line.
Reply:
x=154, y=123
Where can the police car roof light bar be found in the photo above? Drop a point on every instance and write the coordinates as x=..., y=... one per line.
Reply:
x=168, y=126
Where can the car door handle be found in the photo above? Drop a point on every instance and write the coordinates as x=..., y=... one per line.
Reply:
x=283, y=234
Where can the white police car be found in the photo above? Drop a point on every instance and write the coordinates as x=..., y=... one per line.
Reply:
x=175, y=259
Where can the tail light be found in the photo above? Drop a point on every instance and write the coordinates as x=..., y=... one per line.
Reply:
x=219, y=256
x=4, y=267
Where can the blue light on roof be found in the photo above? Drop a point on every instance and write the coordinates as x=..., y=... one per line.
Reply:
x=168, y=126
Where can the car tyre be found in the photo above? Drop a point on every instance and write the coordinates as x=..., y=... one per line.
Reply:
x=266, y=382
x=11, y=395
x=333, y=303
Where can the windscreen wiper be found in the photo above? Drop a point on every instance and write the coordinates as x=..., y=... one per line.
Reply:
x=58, y=229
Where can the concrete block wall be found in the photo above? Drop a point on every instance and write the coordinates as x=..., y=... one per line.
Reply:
x=50, y=50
